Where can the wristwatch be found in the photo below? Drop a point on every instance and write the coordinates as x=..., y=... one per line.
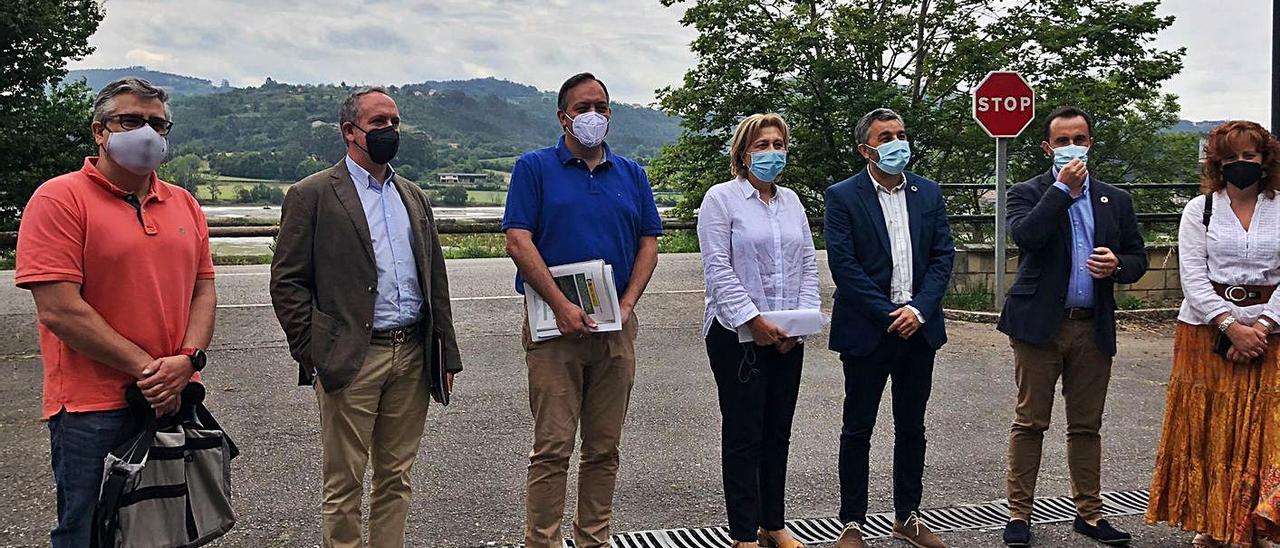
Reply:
x=197, y=356
x=1226, y=324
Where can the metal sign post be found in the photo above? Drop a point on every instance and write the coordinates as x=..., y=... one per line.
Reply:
x=1003, y=105
x=1002, y=228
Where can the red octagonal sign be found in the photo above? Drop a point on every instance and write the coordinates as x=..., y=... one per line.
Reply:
x=1003, y=104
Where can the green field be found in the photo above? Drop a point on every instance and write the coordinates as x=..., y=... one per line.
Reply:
x=230, y=187
x=486, y=197
x=227, y=179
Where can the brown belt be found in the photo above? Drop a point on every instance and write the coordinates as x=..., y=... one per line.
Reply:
x=1244, y=295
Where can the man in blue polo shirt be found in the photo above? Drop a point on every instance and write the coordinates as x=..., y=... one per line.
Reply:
x=573, y=202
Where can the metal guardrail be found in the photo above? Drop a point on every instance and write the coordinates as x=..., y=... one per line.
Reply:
x=447, y=226
x=495, y=227
x=1121, y=186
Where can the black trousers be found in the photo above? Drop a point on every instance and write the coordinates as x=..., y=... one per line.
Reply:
x=910, y=364
x=757, y=387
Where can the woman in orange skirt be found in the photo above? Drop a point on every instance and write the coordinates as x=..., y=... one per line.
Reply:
x=1218, y=468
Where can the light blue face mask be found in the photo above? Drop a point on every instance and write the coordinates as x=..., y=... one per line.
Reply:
x=767, y=165
x=894, y=156
x=1063, y=155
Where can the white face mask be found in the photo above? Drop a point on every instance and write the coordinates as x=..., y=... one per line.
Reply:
x=589, y=128
x=140, y=150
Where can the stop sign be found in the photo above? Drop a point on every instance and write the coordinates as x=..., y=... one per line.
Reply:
x=1003, y=104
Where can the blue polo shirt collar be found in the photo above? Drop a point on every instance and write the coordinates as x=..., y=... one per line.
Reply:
x=566, y=156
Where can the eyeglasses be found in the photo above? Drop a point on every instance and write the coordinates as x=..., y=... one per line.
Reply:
x=130, y=122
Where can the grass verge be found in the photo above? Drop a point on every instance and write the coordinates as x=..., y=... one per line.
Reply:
x=976, y=299
x=235, y=260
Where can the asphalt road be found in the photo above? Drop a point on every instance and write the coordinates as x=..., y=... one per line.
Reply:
x=469, y=479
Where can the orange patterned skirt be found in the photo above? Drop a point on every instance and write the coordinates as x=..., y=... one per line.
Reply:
x=1218, y=468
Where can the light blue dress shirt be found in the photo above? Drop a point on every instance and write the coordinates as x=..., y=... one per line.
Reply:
x=399, y=300
x=1080, y=284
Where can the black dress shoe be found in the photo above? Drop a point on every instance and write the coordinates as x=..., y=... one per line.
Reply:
x=1102, y=532
x=1017, y=533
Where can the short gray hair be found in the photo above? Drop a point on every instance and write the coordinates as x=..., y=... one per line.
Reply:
x=104, y=106
x=350, y=111
x=863, y=130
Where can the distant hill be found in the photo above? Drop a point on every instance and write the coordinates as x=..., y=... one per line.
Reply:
x=478, y=119
x=176, y=84
x=284, y=131
x=1187, y=126
x=483, y=86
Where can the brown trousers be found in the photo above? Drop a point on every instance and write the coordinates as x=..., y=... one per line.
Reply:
x=1085, y=372
x=381, y=413
x=576, y=380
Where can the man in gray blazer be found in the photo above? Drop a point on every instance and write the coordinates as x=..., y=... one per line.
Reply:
x=358, y=283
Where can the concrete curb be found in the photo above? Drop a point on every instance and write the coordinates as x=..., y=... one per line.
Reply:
x=1140, y=314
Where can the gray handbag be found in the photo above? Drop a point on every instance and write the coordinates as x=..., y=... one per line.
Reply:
x=169, y=486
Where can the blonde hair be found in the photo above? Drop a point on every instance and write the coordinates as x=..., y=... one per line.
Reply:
x=747, y=131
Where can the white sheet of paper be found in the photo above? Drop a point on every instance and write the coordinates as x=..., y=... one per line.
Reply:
x=796, y=323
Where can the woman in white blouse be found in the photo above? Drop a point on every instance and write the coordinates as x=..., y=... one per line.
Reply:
x=757, y=256
x=1218, y=468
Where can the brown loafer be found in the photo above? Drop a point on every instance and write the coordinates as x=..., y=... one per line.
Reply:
x=917, y=533
x=851, y=537
x=769, y=540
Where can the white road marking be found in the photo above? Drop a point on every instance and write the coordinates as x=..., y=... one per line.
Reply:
x=493, y=298
x=465, y=299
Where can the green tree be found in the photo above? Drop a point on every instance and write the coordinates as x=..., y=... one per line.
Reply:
x=309, y=166
x=215, y=190
x=822, y=64
x=454, y=195
x=45, y=129
x=408, y=171
x=187, y=172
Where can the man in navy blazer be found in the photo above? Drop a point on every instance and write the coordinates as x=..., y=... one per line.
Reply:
x=890, y=251
x=1077, y=237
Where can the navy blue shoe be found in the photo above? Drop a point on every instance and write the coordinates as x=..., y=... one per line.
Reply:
x=1102, y=532
x=1017, y=533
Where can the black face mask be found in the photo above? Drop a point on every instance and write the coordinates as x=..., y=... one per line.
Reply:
x=383, y=143
x=1242, y=173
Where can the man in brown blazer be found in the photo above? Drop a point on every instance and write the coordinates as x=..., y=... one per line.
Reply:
x=358, y=283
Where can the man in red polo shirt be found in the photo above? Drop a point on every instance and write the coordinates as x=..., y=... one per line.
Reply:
x=118, y=263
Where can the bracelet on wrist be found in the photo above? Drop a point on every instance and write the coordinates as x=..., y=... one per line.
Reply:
x=1226, y=324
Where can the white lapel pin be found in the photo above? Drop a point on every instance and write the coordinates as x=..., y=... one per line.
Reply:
x=1104, y=199
x=914, y=188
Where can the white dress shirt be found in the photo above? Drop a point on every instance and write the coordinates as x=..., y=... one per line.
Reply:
x=756, y=256
x=893, y=203
x=1230, y=255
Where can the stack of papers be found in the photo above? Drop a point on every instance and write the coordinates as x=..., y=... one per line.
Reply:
x=589, y=285
x=795, y=323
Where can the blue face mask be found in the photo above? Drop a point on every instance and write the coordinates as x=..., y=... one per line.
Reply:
x=1063, y=155
x=767, y=165
x=894, y=156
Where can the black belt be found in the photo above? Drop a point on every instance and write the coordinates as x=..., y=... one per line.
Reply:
x=396, y=335
x=1077, y=313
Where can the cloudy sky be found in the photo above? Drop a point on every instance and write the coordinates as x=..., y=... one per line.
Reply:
x=636, y=46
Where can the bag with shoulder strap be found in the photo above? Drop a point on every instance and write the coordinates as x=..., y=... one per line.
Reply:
x=169, y=486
